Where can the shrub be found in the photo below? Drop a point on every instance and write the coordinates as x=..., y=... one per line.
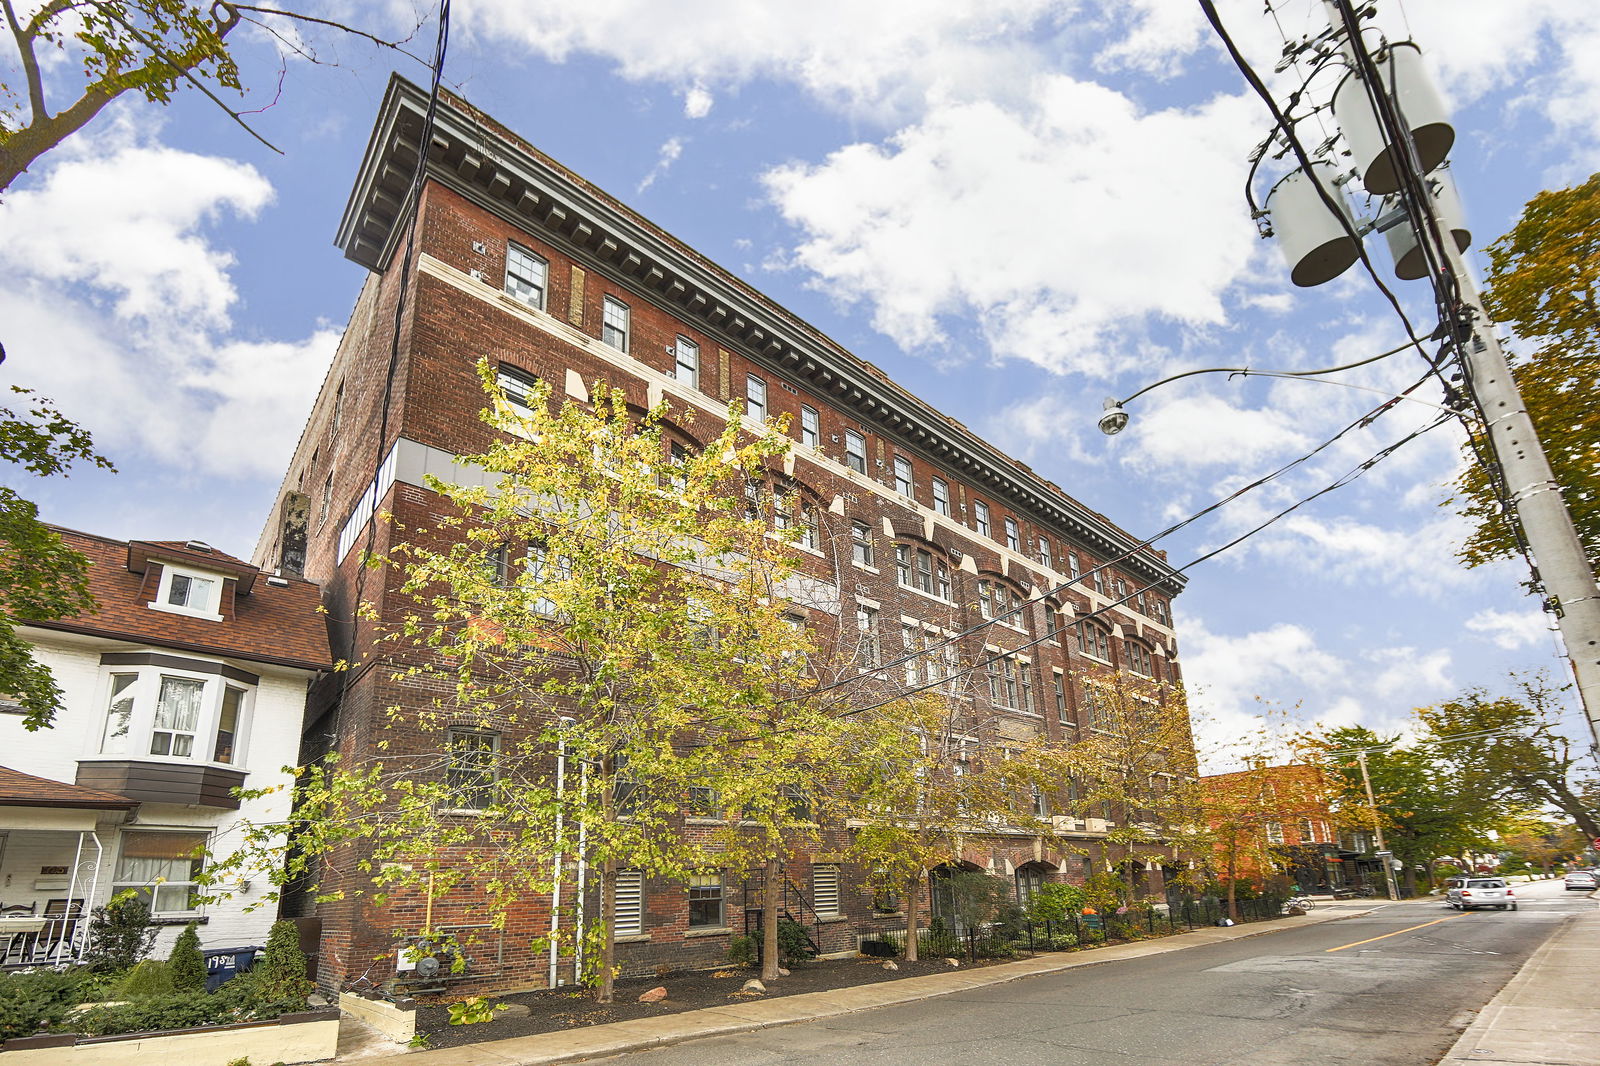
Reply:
x=149, y=978
x=793, y=942
x=185, y=964
x=37, y=1000
x=278, y=981
x=175, y=1010
x=1062, y=942
x=120, y=934
x=1057, y=903
x=743, y=950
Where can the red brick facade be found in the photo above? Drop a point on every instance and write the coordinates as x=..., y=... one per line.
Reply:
x=488, y=189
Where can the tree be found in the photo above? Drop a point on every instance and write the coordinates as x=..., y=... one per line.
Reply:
x=185, y=963
x=147, y=47
x=1422, y=807
x=1137, y=768
x=1544, y=282
x=40, y=577
x=1538, y=841
x=142, y=46
x=609, y=602
x=1247, y=812
x=1510, y=750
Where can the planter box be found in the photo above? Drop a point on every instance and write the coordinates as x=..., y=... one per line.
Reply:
x=309, y=1036
x=397, y=1021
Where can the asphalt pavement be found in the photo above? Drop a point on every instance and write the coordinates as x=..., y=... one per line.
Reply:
x=1359, y=982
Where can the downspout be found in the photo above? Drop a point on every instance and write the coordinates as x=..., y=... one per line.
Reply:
x=583, y=866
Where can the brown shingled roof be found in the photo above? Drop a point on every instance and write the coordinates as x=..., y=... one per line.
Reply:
x=18, y=789
x=269, y=621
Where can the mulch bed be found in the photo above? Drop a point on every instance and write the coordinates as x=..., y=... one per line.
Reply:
x=555, y=1010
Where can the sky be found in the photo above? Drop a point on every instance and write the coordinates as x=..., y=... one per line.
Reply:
x=1015, y=208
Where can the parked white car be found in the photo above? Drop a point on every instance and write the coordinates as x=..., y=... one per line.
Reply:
x=1467, y=893
x=1586, y=880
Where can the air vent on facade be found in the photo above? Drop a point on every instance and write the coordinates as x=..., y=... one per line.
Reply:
x=198, y=546
x=278, y=582
x=480, y=248
x=477, y=275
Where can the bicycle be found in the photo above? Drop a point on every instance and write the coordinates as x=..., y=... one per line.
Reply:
x=1305, y=903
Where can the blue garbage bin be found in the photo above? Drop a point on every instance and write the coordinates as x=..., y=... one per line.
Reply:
x=224, y=964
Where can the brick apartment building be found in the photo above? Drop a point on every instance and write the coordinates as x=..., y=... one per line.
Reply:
x=927, y=528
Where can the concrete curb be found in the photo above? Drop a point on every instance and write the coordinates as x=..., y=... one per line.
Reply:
x=547, y=1049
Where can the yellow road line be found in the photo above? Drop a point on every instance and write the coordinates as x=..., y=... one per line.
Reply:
x=1397, y=932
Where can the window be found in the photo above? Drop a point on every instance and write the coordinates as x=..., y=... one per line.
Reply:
x=810, y=528
x=198, y=717
x=1013, y=535
x=1308, y=833
x=867, y=626
x=1099, y=715
x=338, y=409
x=1030, y=879
x=177, y=716
x=327, y=500
x=1059, y=687
x=1137, y=658
x=861, y=544
x=1044, y=552
x=999, y=602
x=918, y=569
x=702, y=801
x=902, y=476
x=1094, y=640
x=980, y=517
x=119, y=714
x=825, y=890
x=672, y=477
x=518, y=385
x=542, y=574
x=472, y=774
x=1274, y=833
x=885, y=894
x=941, y=496
x=627, y=913
x=615, y=323
x=755, y=396
x=686, y=362
x=1039, y=806
x=855, y=451
x=810, y=427
x=161, y=868
x=705, y=901
x=1072, y=565
x=188, y=592
x=1003, y=683
x=228, y=722
x=526, y=275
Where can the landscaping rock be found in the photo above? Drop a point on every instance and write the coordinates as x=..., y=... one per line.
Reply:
x=890, y=965
x=520, y=1010
x=752, y=985
x=654, y=995
x=782, y=972
x=953, y=963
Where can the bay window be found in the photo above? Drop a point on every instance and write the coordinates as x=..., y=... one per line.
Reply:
x=199, y=712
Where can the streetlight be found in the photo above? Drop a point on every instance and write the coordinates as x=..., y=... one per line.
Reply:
x=1114, y=418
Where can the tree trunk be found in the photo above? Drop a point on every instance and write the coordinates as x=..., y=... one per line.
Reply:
x=772, y=904
x=913, y=915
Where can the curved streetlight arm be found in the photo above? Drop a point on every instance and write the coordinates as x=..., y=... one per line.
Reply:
x=1244, y=370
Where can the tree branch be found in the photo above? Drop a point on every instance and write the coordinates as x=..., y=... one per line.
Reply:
x=30, y=62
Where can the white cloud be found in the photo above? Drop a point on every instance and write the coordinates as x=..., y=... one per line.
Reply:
x=118, y=305
x=697, y=102
x=1406, y=672
x=666, y=156
x=1511, y=629
x=1205, y=430
x=879, y=58
x=1053, y=228
x=127, y=222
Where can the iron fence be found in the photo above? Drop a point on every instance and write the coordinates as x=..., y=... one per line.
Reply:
x=1016, y=937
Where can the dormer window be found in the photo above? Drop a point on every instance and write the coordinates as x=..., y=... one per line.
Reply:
x=189, y=592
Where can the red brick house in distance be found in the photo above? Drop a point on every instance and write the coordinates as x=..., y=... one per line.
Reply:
x=521, y=262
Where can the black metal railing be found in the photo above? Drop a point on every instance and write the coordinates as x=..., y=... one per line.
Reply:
x=1020, y=937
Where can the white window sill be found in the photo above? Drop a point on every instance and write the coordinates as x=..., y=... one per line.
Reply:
x=190, y=612
x=864, y=566
x=708, y=930
x=925, y=595
x=632, y=938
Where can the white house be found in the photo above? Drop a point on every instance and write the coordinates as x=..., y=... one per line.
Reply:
x=189, y=681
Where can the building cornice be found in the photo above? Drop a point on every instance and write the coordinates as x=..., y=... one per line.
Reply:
x=476, y=158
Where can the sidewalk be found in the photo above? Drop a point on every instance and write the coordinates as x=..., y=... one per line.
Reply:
x=597, y=1040
x=1549, y=1013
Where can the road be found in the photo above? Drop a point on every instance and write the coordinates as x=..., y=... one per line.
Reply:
x=1391, y=988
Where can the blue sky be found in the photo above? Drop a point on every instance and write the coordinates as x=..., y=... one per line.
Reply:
x=1014, y=208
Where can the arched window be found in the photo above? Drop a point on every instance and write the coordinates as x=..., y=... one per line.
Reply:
x=1138, y=659
x=1094, y=640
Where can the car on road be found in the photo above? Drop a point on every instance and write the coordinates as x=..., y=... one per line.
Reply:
x=1585, y=880
x=1467, y=893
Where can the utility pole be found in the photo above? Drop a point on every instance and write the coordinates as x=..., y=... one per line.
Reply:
x=1384, y=854
x=1561, y=566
